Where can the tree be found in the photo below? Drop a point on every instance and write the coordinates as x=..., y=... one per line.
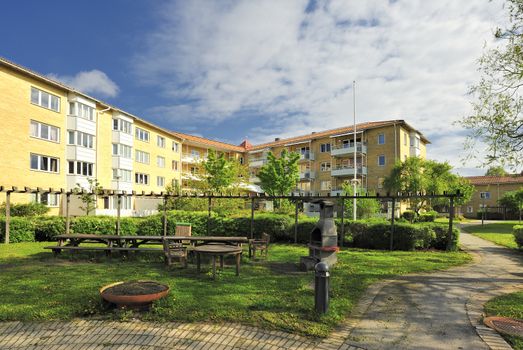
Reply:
x=219, y=172
x=496, y=120
x=279, y=176
x=416, y=175
x=513, y=201
x=88, y=195
x=496, y=171
x=366, y=207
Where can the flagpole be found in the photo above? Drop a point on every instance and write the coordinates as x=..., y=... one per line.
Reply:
x=355, y=180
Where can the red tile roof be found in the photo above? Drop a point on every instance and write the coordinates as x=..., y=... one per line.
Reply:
x=494, y=180
x=208, y=142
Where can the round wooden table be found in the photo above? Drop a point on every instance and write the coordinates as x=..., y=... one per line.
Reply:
x=220, y=250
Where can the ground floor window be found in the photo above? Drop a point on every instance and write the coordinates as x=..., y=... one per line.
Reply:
x=49, y=199
x=112, y=203
x=470, y=209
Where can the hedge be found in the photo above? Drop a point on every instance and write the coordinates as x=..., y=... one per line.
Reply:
x=46, y=228
x=518, y=235
x=21, y=229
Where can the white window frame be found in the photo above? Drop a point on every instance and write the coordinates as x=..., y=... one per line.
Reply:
x=325, y=185
x=470, y=209
x=384, y=160
x=141, y=134
x=80, y=168
x=160, y=141
x=142, y=157
x=122, y=150
x=79, y=138
x=174, y=165
x=38, y=101
x=125, y=175
x=484, y=195
x=325, y=166
x=81, y=110
x=325, y=148
x=382, y=135
x=160, y=181
x=38, y=129
x=122, y=125
x=160, y=161
x=175, y=147
x=141, y=179
x=53, y=203
x=40, y=159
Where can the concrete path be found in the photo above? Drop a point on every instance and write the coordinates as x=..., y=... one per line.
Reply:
x=440, y=310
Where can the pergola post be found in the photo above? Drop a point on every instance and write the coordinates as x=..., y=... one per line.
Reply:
x=7, y=215
x=118, y=212
x=296, y=223
x=67, y=217
x=451, y=222
x=252, y=218
x=342, y=234
x=392, y=223
x=209, y=204
x=165, y=216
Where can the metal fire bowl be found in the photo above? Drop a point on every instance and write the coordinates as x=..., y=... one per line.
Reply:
x=505, y=325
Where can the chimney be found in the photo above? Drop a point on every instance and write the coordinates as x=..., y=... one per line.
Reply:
x=276, y=139
x=312, y=133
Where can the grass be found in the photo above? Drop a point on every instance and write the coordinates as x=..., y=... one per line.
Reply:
x=498, y=232
x=508, y=305
x=272, y=293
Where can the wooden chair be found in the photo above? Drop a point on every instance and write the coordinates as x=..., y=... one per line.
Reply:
x=261, y=245
x=174, y=250
x=183, y=229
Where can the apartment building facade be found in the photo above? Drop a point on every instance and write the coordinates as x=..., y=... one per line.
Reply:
x=328, y=160
x=56, y=137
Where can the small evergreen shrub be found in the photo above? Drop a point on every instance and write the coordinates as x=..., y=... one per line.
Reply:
x=429, y=216
x=518, y=235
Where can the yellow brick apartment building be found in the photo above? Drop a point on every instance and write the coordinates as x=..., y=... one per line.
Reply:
x=54, y=136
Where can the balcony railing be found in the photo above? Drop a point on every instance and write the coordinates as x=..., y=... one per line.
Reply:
x=307, y=175
x=192, y=158
x=257, y=162
x=348, y=171
x=307, y=155
x=348, y=149
x=302, y=193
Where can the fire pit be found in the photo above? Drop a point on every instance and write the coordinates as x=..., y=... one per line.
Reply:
x=134, y=294
x=323, y=243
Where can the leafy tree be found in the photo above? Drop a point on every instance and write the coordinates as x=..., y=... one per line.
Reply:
x=88, y=195
x=219, y=172
x=416, y=175
x=365, y=208
x=513, y=201
x=279, y=176
x=496, y=120
x=496, y=171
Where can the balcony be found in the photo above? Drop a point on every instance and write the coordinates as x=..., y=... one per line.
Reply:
x=257, y=162
x=187, y=175
x=192, y=158
x=125, y=186
x=85, y=154
x=346, y=170
x=122, y=137
x=122, y=163
x=307, y=175
x=347, y=149
x=307, y=156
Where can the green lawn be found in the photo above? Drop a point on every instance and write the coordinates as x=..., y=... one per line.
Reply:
x=273, y=294
x=509, y=305
x=499, y=232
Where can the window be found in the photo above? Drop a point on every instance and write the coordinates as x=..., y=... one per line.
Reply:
x=120, y=150
x=44, y=163
x=44, y=99
x=174, y=165
x=80, y=139
x=325, y=166
x=380, y=182
x=44, y=131
x=80, y=168
x=414, y=142
x=381, y=139
x=160, y=181
x=175, y=146
x=381, y=160
x=125, y=175
x=141, y=134
x=112, y=202
x=160, y=161
x=195, y=154
x=325, y=147
x=141, y=157
x=325, y=185
x=122, y=125
x=241, y=160
x=49, y=199
x=470, y=209
x=484, y=195
x=81, y=110
x=160, y=141
x=141, y=178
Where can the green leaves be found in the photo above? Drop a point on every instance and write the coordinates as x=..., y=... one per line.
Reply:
x=280, y=175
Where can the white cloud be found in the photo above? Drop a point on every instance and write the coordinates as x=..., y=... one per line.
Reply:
x=412, y=60
x=90, y=82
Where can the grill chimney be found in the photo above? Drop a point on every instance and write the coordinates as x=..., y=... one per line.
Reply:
x=276, y=139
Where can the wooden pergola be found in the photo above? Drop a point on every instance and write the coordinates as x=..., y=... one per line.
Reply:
x=394, y=198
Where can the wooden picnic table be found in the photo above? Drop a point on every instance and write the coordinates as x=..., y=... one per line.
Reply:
x=220, y=250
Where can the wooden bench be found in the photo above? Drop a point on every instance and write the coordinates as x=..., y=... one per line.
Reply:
x=57, y=249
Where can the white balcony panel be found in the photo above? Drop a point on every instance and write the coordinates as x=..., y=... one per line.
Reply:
x=81, y=124
x=122, y=163
x=123, y=138
x=348, y=150
x=307, y=175
x=257, y=163
x=73, y=180
x=122, y=186
x=348, y=171
x=113, y=212
x=307, y=156
x=415, y=152
x=81, y=153
x=191, y=158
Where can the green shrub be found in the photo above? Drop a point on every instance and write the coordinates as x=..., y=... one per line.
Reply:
x=99, y=225
x=21, y=229
x=429, y=216
x=518, y=235
x=128, y=226
x=409, y=215
x=46, y=228
x=26, y=209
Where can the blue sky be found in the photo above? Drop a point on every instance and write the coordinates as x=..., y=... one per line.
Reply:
x=264, y=69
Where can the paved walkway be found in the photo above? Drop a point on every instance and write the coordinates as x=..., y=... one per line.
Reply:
x=440, y=310
x=427, y=311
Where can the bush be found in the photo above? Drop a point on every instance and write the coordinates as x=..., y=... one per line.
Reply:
x=21, y=229
x=409, y=215
x=99, y=225
x=46, y=228
x=518, y=235
x=429, y=216
x=128, y=226
x=26, y=209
